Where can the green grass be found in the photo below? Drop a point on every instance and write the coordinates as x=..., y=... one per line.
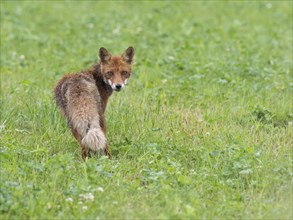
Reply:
x=203, y=130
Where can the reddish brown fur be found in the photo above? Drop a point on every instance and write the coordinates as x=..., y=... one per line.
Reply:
x=83, y=97
x=117, y=64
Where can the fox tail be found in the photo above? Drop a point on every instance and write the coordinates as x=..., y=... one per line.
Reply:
x=95, y=139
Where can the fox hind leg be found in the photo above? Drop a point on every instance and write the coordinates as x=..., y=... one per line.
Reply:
x=84, y=150
x=107, y=152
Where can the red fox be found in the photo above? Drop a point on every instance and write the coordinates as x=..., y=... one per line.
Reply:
x=82, y=98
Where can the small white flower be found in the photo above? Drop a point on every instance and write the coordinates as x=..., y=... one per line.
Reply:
x=22, y=57
x=100, y=189
x=268, y=5
x=88, y=196
x=2, y=128
x=171, y=58
x=91, y=196
x=90, y=25
x=208, y=133
x=138, y=29
x=69, y=199
x=84, y=208
x=164, y=81
x=48, y=205
x=116, y=31
x=80, y=202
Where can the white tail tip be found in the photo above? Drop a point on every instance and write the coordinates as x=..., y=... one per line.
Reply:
x=95, y=139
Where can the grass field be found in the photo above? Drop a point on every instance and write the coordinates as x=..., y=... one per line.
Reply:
x=202, y=131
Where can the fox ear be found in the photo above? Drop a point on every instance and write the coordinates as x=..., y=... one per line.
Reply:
x=128, y=55
x=104, y=55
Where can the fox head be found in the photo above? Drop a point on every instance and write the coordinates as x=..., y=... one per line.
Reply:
x=116, y=70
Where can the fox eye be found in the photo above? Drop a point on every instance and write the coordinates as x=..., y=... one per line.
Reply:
x=124, y=73
x=109, y=74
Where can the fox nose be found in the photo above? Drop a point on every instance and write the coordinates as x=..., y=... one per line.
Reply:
x=118, y=86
